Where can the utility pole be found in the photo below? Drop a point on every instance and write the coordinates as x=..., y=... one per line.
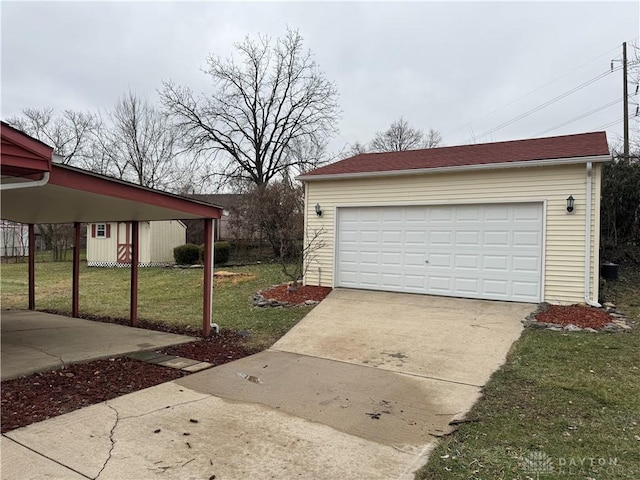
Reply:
x=625, y=101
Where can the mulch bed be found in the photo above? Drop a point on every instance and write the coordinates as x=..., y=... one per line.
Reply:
x=44, y=395
x=283, y=293
x=583, y=317
x=222, y=348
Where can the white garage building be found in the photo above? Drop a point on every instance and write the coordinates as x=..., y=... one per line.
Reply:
x=514, y=221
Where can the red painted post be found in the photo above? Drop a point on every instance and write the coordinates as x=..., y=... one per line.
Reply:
x=207, y=292
x=32, y=267
x=135, y=255
x=75, y=283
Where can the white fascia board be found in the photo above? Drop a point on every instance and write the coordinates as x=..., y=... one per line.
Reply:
x=460, y=168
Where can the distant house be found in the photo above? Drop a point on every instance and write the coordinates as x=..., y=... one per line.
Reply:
x=14, y=239
x=222, y=230
x=109, y=243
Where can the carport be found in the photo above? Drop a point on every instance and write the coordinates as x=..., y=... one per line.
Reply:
x=37, y=189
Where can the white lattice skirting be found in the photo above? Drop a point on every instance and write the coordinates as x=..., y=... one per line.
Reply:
x=127, y=265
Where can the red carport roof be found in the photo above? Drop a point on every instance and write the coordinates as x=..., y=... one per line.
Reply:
x=488, y=155
x=75, y=195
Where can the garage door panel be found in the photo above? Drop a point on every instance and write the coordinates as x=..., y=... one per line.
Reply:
x=467, y=214
x=526, y=239
x=391, y=259
x=495, y=287
x=495, y=263
x=416, y=238
x=439, y=284
x=467, y=261
x=369, y=258
x=392, y=237
x=467, y=286
x=370, y=236
x=439, y=260
x=415, y=280
x=414, y=260
x=440, y=215
x=391, y=280
x=496, y=239
x=440, y=238
x=477, y=251
x=498, y=214
x=526, y=264
x=528, y=212
x=525, y=289
x=467, y=238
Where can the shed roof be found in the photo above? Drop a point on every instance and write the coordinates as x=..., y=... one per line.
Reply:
x=563, y=149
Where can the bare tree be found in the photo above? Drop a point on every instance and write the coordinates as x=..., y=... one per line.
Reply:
x=142, y=144
x=432, y=139
x=72, y=135
x=69, y=133
x=269, y=96
x=297, y=267
x=401, y=136
x=356, y=149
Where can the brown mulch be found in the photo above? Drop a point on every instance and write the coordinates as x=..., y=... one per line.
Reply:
x=44, y=395
x=283, y=293
x=222, y=348
x=583, y=317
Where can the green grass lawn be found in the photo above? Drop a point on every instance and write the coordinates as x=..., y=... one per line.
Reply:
x=566, y=401
x=168, y=295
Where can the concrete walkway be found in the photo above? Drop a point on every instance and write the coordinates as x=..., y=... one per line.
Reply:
x=358, y=389
x=37, y=341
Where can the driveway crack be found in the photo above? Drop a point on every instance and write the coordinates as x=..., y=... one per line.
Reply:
x=60, y=359
x=139, y=415
x=113, y=443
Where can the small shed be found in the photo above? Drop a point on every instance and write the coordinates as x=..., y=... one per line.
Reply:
x=109, y=243
x=515, y=221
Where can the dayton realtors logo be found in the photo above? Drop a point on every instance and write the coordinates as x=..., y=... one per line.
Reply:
x=538, y=463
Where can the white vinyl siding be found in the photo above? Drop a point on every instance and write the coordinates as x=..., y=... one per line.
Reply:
x=564, y=241
x=165, y=236
x=102, y=249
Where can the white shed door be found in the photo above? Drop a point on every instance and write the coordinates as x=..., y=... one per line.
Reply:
x=476, y=251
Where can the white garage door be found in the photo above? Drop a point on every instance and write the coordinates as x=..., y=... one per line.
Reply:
x=476, y=251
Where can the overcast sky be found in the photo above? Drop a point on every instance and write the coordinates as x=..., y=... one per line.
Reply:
x=461, y=68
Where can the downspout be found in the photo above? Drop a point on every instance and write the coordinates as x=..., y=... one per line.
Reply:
x=30, y=183
x=587, y=241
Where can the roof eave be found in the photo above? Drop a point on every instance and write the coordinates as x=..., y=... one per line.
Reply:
x=460, y=168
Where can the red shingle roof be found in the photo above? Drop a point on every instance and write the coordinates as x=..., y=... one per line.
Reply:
x=568, y=146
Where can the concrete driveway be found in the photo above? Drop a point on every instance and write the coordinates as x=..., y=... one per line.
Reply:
x=37, y=341
x=358, y=389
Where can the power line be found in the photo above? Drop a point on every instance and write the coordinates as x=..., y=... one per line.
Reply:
x=550, y=102
x=533, y=91
x=579, y=117
x=615, y=122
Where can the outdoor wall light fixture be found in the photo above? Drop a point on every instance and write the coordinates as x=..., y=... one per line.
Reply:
x=570, y=203
x=318, y=210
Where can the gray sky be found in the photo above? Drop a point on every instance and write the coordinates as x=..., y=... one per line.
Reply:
x=450, y=66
